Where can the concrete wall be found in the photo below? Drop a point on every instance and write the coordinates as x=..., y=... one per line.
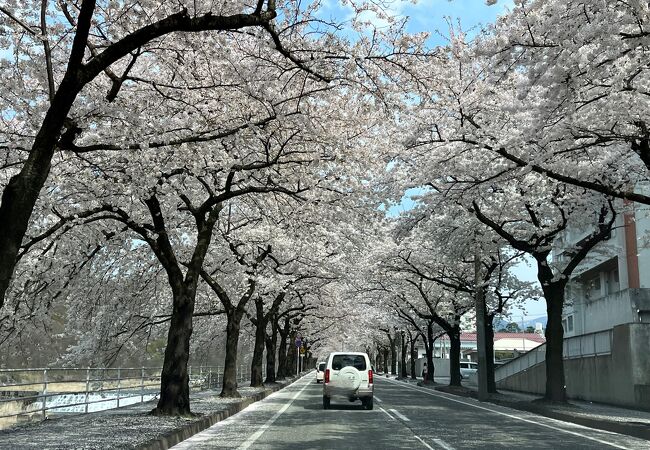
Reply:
x=440, y=365
x=607, y=312
x=620, y=378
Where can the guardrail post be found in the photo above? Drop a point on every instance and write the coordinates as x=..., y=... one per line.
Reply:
x=209, y=377
x=119, y=385
x=44, y=393
x=87, y=389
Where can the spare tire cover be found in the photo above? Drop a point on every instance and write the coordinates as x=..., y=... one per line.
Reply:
x=349, y=378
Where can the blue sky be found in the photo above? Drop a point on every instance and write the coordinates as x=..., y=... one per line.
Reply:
x=432, y=16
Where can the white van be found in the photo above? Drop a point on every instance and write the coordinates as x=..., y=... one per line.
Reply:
x=349, y=375
x=467, y=368
x=320, y=371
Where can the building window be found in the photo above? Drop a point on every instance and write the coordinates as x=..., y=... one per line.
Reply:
x=567, y=324
x=592, y=287
x=612, y=282
x=595, y=283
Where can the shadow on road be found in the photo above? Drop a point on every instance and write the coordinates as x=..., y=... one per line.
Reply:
x=342, y=405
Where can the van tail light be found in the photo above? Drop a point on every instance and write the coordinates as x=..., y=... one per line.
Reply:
x=327, y=375
x=370, y=377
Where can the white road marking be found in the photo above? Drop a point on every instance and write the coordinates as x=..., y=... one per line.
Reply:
x=438, y=394
x=255, y=436
x=443, y=444
x=401, y=416
x=386, y=412
x=424, y=443
x=378, y=399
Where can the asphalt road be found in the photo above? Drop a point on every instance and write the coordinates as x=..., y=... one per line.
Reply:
x=404, y=416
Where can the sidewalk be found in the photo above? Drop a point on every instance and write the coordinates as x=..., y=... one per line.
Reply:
x=630, y=422
x=132, y=427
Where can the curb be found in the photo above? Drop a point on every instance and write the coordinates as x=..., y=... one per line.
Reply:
x=637, y=430
x=178, y=435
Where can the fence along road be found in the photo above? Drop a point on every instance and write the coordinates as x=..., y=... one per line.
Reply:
x=35, y=394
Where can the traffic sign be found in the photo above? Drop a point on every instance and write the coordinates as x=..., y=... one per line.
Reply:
x=298, y=342
x=302, y=350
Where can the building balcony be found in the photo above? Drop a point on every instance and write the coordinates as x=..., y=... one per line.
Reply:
x=590, y=315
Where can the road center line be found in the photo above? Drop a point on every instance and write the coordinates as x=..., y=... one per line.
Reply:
x=438, y=394
x=386, y=412
x=400, y=415
x=255, y=436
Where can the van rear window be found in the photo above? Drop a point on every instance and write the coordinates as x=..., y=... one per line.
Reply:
x=321, y=367
x=341, y=361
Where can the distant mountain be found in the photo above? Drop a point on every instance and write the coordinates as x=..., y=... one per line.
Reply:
x=532, y=322
x=500, y=322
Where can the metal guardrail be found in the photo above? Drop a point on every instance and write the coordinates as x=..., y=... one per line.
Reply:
x=32, y=394
x=583, y=346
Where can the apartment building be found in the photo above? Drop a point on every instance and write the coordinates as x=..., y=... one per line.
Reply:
x=612, y=285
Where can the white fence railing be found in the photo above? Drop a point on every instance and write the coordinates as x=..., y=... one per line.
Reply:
x=35, y=394
x=583, y=346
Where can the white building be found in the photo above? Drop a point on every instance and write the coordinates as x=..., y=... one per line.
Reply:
x=514, y=343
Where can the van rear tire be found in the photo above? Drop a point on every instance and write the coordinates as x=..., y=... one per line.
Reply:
x=326, y=402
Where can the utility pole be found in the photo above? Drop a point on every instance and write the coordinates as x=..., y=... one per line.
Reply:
x=480, y=328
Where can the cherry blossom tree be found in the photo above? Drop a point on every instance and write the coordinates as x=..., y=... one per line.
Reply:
x=572, y=78
x=86, y=49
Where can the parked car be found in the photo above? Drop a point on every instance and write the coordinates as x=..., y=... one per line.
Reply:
x=348, y=375
x=467, y=368
x=320, y=371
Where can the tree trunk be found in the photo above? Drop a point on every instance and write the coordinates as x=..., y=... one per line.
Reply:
x=385, y=353
x=229, y=386
x=454, y=356
x=555, y=383
x=414, y=356
x=489, y=353
x=431, y=368
x=393, y=357
x=282, y=351
x=258, y=358
x=258, y=348
x=271, y=344
x=404, y=349
x=174, y=380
